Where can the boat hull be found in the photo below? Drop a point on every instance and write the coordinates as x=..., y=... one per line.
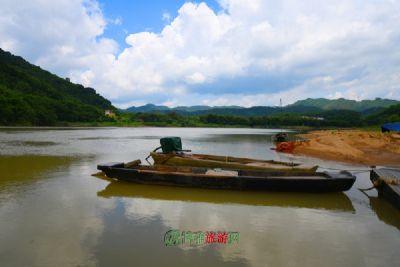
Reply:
x=248, y=180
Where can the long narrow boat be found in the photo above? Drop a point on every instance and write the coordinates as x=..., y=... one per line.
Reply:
x=230, y=179
x=227, y=162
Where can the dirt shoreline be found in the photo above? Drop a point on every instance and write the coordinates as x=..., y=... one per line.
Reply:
x=352, y=146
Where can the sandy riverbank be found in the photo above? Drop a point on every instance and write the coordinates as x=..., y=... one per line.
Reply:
x=353, y=146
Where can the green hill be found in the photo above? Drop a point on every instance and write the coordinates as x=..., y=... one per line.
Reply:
x=364, y=106
x=148, y=108
x=390, y=114
x=32, y=96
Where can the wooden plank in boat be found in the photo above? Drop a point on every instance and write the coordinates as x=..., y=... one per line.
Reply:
x=298, y=177
x=222, y=173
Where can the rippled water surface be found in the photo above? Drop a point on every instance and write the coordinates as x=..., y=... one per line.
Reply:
x=54, y=213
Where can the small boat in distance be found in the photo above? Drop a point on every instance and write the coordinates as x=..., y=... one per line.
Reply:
x=230, y=179
x=227, y=162
x=280, y=137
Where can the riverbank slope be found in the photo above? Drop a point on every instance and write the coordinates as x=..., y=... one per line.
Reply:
x=353, y=146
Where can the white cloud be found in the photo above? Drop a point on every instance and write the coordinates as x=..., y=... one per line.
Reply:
x=63, y=36
x=309, y=48
x=166, y=17
x=117, y=21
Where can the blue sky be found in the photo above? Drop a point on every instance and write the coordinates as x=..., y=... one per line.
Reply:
x=138, y=16
x=214, y=52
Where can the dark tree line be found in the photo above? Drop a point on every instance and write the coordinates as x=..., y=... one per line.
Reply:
x=330, y=118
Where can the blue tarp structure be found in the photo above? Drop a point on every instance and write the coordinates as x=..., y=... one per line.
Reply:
x=387, y=127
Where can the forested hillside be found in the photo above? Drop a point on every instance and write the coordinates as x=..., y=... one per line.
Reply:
x=32, y=96
x=363, y=106
x=391, y=114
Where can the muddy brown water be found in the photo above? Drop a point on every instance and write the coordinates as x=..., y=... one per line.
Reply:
x=54, y=213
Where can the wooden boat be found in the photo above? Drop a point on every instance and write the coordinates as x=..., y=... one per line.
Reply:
x=230, y=179
x=226, y=162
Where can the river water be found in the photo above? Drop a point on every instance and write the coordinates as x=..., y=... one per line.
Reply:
x=54, y=213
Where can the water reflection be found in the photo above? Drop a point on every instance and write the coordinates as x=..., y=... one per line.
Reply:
x=265, y=239
x=29, y=143
x=327, y=201
x=385, y=211
x=22, y=169
x=47, y=216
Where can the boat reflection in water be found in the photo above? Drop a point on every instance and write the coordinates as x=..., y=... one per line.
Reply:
x=336, y=201
x=385, y=211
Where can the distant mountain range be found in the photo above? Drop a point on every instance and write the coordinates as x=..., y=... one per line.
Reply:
x=302, y=106
x=30, y=95
x=189, y=109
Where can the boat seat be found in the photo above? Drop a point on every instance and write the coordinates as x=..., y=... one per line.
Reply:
x=219, y=172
